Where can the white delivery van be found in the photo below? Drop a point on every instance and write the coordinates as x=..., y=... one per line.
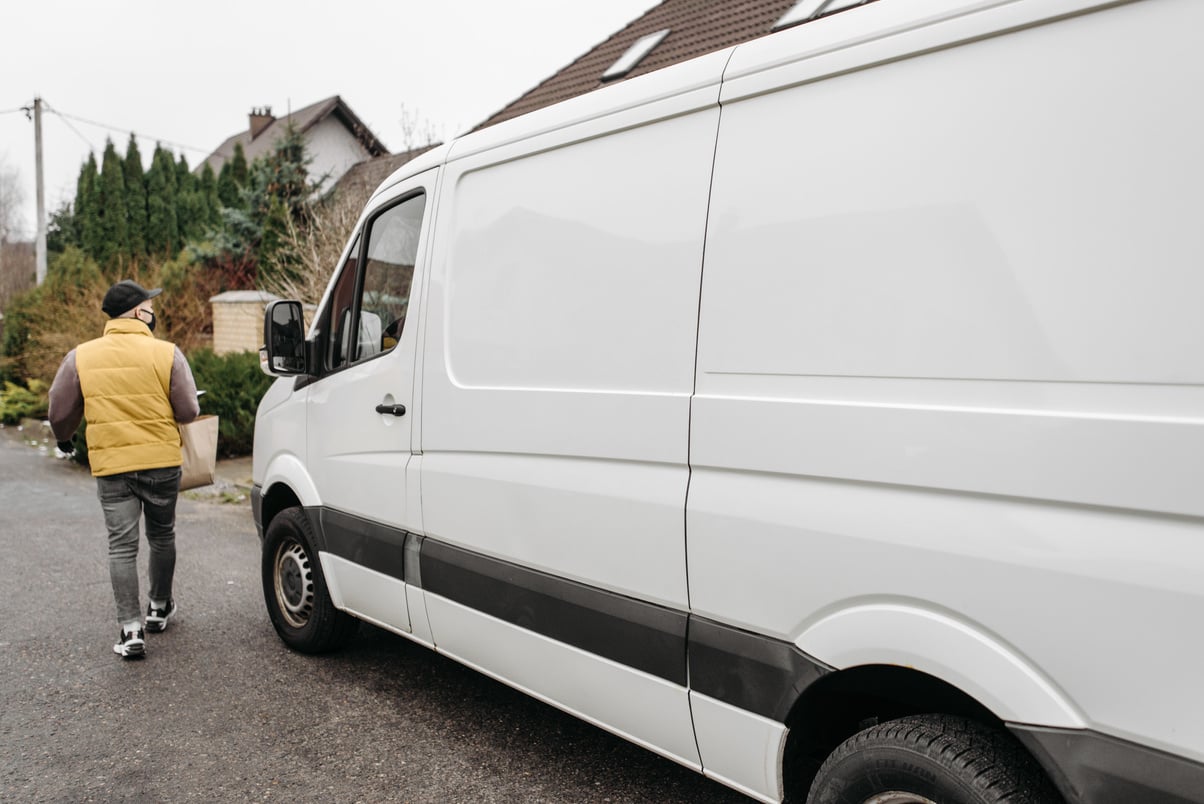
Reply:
x=825, y=414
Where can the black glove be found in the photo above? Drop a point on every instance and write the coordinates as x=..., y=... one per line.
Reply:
x=66, y=447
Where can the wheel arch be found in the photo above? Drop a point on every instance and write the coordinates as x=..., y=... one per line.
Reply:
x=286, y=484
x=276, y=499
x=896, y=659
x=945, y=645
x=844, y=702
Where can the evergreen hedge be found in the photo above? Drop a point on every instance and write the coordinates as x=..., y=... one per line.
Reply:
x=233, y=386
x=18, y=403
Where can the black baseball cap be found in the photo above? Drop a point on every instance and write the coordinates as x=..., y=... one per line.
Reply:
x=126, y=295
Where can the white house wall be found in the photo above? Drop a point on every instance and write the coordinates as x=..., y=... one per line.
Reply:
x=333, y=150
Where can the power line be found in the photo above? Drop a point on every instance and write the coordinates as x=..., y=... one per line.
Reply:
x=13, y=111
x=106, y=126
x=67, y=123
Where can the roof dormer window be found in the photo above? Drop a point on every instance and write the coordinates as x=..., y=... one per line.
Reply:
x=805, y=10
x=634, y=55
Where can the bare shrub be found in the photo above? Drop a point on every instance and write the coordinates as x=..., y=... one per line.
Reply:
x=185, y=310
x=313, y=248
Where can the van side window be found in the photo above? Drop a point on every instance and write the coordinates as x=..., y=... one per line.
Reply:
x=370, y=299
x=392, y=248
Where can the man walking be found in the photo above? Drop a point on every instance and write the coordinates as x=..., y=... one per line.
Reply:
x=132, y=389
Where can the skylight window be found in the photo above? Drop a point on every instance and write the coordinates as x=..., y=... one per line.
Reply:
x=634, y=55
x=805, y=10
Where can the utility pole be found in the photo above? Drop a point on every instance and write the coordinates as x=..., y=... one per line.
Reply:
x=40, y=248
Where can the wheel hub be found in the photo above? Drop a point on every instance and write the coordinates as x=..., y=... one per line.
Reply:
x=294, y=584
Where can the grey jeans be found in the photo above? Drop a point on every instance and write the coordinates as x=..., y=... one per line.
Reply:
x=124, y=498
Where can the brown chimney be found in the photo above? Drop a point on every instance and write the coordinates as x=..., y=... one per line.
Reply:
x=261, y=118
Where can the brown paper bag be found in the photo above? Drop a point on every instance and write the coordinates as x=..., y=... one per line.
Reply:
x=198, y=446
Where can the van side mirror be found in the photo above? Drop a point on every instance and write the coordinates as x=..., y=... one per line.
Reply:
x=283, y=352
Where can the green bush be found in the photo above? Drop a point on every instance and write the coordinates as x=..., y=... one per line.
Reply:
x=46, y=322
x=16, y=337
x=233, y=385
x=18, y=402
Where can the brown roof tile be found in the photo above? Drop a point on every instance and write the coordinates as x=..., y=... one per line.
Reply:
x=695, y=27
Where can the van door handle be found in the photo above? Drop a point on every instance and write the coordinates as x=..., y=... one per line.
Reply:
x=396, y=410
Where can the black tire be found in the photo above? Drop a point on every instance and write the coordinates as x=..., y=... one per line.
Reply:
x=931, y=759
x=294, y=588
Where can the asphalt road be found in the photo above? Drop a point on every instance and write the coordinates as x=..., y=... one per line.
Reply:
x=220, y=710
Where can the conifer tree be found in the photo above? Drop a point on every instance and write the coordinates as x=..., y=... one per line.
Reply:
x=238, y=166
x=280, y=189
x=114, y=223
x=88, y=222
x=211, y=202
x=162, y=228
x=135, y=198
x=190, y=202
x=232, y=179
x=167, y=163
x=258, y=236
x=184, y=205
x=227, y=190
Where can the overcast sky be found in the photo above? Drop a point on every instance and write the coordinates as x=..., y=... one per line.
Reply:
x=187, y=73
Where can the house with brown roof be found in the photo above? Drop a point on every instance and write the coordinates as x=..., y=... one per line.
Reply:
x=335, y=138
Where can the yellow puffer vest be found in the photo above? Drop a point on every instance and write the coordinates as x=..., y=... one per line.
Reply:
x=125, y=377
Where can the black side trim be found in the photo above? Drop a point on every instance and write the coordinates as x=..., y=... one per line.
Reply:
x=642, y=635
x=364, y=542
x=1097, y=769
x=747, y=670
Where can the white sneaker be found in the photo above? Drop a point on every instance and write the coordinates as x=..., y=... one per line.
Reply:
x=130, y=644
x=156, y=619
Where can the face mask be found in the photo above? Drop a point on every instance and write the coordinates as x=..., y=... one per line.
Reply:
x=149, y=324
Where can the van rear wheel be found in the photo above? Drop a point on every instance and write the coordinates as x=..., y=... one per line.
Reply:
x=294, y=588
x=931, y=759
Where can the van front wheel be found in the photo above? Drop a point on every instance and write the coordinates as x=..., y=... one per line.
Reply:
x=931, y=759
x=294, y=589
